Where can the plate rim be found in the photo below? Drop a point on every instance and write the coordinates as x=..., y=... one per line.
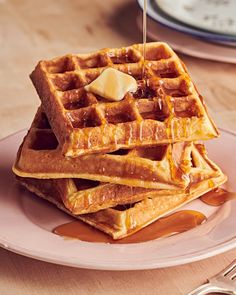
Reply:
x=230, y=245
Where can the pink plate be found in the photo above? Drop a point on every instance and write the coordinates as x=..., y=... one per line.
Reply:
x=26, y=224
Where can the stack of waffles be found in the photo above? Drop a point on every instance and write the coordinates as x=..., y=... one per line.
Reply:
x=118, y=165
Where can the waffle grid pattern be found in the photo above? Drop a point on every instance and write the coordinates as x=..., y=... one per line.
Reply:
x=165, y=108
x=159, y=167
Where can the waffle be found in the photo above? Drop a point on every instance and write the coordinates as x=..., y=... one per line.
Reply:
x=160, y=167
x=142, y=206
x=122, y=221
x=166, y=107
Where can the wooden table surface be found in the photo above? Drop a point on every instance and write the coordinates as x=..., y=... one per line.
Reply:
x=33, y=30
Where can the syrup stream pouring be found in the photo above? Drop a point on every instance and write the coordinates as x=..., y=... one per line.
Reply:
x=144, y=35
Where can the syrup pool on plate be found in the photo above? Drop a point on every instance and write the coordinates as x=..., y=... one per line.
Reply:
x=174, y=223
x=217, y=197
x=177, y=222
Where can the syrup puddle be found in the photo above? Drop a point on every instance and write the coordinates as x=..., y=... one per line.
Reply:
x=175, y=223
x=217, y=197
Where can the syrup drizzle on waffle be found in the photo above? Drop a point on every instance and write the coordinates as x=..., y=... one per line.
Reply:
x=63, y=80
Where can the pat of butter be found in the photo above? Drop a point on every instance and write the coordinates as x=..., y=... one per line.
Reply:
x=112, y=85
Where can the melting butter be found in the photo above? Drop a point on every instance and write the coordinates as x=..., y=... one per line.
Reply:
x=112, y=85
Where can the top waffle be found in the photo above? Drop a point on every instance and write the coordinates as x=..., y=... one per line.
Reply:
x=166, y=107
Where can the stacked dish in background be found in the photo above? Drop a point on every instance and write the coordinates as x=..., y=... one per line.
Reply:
x=205, y=29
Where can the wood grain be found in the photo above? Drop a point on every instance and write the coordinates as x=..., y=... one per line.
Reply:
x=33, y=30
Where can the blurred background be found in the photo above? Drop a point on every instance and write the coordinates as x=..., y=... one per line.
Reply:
x=31, y=30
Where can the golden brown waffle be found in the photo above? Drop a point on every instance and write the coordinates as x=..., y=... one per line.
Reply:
x=83, y=196
x=166, y=108
x=122, y=221
x=160, y=167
